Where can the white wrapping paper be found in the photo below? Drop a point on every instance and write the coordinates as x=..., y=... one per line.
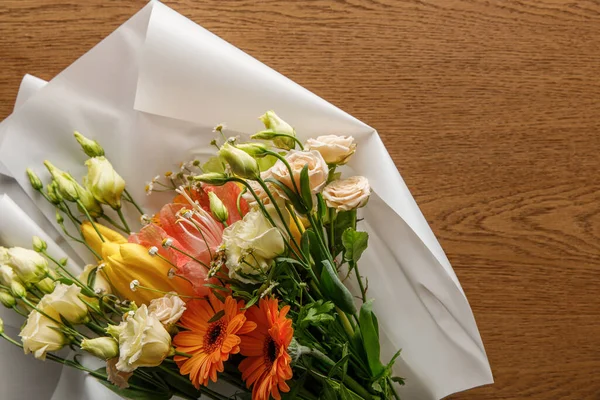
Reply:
x=151, y=93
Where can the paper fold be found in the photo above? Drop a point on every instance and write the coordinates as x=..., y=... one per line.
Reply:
x=151, y=93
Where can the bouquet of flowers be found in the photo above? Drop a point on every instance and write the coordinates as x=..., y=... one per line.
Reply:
x=240, y=278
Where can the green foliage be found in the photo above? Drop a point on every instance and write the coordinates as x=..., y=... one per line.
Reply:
x=335, y=289
x=306, y=193
x=293, y=197
x=343, y=221
x=355, y=243
x=369, y=329
x=317, y=313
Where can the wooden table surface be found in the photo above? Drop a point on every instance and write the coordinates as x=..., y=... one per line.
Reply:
x=491, y=111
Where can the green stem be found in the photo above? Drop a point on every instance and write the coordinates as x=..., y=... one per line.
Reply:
x=88, y=291
x=120, y=213
x=349, y=381
x=130, y=199
x=16, y=309
x=394, y=392
x=345, y=323
x=363, y=292
x=190, y=256
x=280, y=214
x=204, y=390
x=87, y=214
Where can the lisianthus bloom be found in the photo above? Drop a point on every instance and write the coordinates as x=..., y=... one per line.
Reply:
x=268, y=364
x=125, y=262
x=192, y=230
x=209, y=343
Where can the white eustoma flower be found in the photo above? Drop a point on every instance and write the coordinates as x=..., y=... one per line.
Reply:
x=40, y=334
x=250, y=246
x=65, y=301
x=29, y=266
x=143, y=341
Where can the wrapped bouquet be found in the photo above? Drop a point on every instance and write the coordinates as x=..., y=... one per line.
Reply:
x=281, y=258
x=240, y=277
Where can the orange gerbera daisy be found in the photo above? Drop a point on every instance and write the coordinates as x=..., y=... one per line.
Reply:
x=268, y=365
x=209, y=343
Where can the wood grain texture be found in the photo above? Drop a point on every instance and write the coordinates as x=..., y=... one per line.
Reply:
x=491, y=112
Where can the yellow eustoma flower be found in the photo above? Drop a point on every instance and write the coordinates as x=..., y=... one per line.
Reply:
x=126, y=262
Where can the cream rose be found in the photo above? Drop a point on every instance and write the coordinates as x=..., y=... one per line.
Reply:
x=334, y=149
x=260, y=192
x=27, y=264
x=317, y=169
x=250, y=245
x=100, y=282
x=347, y=194
x=39, y=335
x=143, y=341
x=168, y=309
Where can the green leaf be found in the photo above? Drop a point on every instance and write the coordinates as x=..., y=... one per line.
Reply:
x=214, y=164
x=251, y=302
x=91, y=280
x=369, y=329
x=343, y=221
x=355, y=243
x=341, y=364
x=335, y=289
x=317, y=313
x=305, y=188
x=347, y=394
x=217, y=316
x=264, y=163
x=216, y=287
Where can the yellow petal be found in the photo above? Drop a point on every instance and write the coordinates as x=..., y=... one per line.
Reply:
x=92, y=238
x=132, y=262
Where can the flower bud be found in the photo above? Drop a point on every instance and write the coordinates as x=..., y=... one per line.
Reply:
x=17, y=289
x=39, y=245
x=103, y=182
x=217, y=207
x=35, y=181
x=275, y=124
x=59, y=218
x=241, y=163
x=90, y=147
x=254, y=149
x=212, y=178
x=101, y=284
x=29, y=266
x=65, y=184
x=6, y=299
x=102, y=347
x=53, y=193
x=46, y=285
x=89, y=202
x=1, y=326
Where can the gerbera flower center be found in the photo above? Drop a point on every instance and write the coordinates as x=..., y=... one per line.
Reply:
x=215, y=335
x=270, y=351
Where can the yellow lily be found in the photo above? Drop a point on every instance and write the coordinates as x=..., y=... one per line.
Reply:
x=126, y=262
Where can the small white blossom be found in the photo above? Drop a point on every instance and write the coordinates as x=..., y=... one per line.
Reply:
x=134, y=285
x=168, y=242
x=153, y=250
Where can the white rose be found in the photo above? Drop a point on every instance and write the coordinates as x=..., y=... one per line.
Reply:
x=103, y=182
x=65, y=301
x=168, y=309
x=250, y=245
x=317, y=169
x=334, y=149
x=143, y=341
x=347, y=194
x=100, y=282
x=28, y=265
x=39, y=335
